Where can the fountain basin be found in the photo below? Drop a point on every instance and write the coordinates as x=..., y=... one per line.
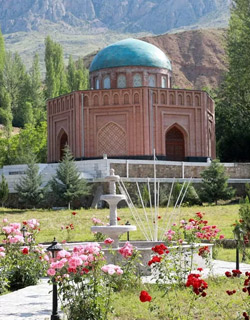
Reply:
x=113, y=232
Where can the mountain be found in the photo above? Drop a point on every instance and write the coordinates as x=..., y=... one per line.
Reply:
x=197, y=56
x=86, y=26
x=154, y=16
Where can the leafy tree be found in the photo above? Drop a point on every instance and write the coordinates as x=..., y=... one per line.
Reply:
x=233, y=103
x=20, y=148
x=67, y=184
x=29, y=186
x=4, y=190
x=214, y=184
x=56, y=81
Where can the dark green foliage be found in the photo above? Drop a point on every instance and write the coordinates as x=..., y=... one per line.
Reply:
x=67, y=183
x=56, y=81
x=244, y=214
x=214, y=184
x=191, y=197
x=4, y=190
x=29, y=188
x=2, y=52
x=233, y=103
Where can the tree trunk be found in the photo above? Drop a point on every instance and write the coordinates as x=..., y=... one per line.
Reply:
x=68, y=205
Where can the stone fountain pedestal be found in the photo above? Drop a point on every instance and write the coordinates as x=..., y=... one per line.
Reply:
x=113, y=230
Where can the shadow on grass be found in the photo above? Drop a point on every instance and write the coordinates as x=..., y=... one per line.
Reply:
x=15, y=211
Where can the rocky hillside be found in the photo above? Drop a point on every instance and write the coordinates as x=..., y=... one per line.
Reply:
x=198, y=56
x=154, y=16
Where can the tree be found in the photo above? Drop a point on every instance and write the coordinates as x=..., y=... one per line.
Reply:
x=29, y=187
x=2, y=52
x=233, y=102
x=67, y=184
x=214, y=184
x=36, y=91
x=56, y=81
x=4, y=190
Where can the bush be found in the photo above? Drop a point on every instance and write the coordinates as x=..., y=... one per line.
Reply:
x=214, y=184
x=22, y=262
x=191, y=197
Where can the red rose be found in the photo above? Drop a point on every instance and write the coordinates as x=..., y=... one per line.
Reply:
x=74, y=213
x=144, y=296
x=228, y=274
x=25, y=250
x=25, y=223
x=118, y=218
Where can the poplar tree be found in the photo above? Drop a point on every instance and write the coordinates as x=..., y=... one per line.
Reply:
x=36, y=91
x=56, y=81
x=2, y=52
x=233, y=103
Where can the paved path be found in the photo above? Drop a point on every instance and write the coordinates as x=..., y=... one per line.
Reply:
x=35, y=302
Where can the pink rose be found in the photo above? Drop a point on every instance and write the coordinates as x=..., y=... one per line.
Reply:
x=51, y=272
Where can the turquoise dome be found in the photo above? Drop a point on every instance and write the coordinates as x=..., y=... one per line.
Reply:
x=130, y=52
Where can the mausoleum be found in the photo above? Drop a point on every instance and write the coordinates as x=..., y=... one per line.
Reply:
x=131, y=110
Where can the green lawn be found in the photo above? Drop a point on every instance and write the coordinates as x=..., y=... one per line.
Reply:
x=217, y=305
x=51, y=222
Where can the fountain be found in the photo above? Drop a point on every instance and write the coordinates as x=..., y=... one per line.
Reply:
x=113, y=230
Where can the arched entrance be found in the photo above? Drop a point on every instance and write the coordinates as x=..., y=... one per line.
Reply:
x=175, y=145
x=63, y=143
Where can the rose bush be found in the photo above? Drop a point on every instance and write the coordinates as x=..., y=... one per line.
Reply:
x=22, y=261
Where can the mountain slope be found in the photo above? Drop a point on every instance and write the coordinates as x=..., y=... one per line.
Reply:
x=155, y=16
x=197, y=56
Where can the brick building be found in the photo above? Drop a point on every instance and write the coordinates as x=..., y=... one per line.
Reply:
x=132, y=110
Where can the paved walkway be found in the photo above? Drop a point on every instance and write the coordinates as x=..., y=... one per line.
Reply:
x=35, y=302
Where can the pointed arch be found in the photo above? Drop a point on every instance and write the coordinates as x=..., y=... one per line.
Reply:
x=189, y=100
x=111, y=140
x=172, y=99
x=62, y=141
x=175, y=143
x=163, y=100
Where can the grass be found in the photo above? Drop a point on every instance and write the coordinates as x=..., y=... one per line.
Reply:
x=51, y=221
x=217, y=305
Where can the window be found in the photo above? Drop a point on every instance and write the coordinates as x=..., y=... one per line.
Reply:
x=121, y=81
x=151, y=81
x=97, y=84
x=106, y=82
x=137, y=82
x=164, y=82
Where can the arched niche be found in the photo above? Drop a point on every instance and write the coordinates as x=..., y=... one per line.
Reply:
x=189, y=100
x=172, y=99
x=197, y=100
x=180, y=99
x=96, y=100
x=163, y=100
x=116, y=98
x=86, y=101
x=126, y=98
x=105, y=100
x=136, y=98
x=175, y=144
x=111, y=140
